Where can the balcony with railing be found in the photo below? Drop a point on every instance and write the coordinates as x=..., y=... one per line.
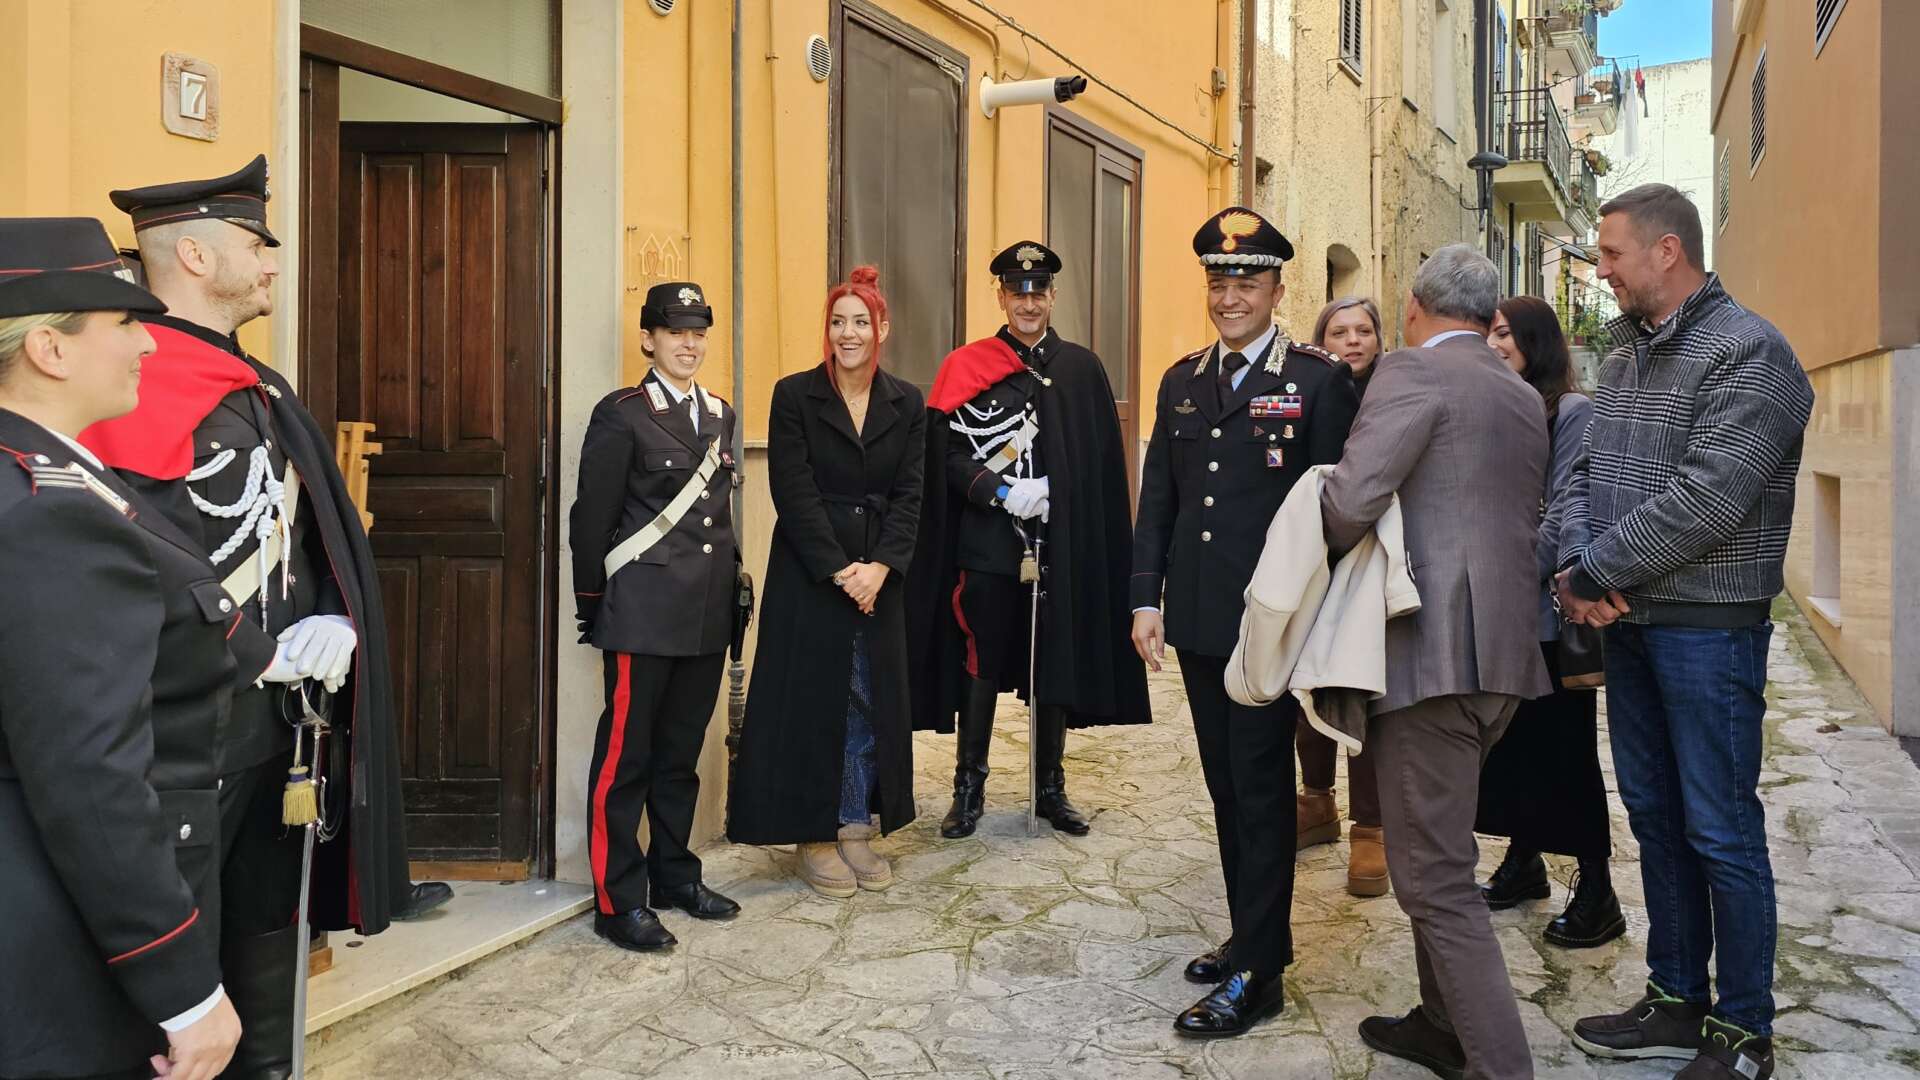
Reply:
x=1572, y=41
x=1583, y=194
x=1596, y=98
x=1530, y=131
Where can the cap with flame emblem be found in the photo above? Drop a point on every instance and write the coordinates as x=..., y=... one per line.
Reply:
x=1238, y=241
x=1026, y=267
x=675, y=305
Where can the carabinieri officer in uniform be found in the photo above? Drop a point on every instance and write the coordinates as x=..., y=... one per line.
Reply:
x=1235, y=425
x=117, y=669
x=655, y=564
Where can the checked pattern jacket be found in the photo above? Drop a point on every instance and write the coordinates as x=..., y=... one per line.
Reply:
x=1684, y=494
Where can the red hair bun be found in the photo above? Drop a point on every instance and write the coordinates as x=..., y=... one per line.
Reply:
x=864, y=275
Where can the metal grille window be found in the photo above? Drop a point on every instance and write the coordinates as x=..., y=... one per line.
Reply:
x=1825, y=14
x=1724, y=197
x=1758, y=148
x=1352, y=23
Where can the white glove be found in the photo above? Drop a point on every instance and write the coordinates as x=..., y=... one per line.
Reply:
x=282, y=670
x=1046, y=505
x=321, y=647
x=1025, y=496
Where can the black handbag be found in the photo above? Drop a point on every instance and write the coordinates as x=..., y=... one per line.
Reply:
x=1582, y=656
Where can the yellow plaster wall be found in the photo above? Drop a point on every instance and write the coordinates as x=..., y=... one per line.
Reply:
x=88, y=75
x=1820, y=178
x=677, y=163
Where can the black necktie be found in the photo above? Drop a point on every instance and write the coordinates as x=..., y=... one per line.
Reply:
x=1230, y=366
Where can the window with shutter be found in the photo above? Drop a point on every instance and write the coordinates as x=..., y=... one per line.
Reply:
x=1758, y=147
x=1825, y=14
x=1351, y=22
x=1725, y=198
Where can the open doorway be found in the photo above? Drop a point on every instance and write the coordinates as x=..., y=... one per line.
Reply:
x=426, y=227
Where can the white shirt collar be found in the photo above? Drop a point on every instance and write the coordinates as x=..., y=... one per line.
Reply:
x=1255, y=348
x=677, y=395
x=1440, y=337
x=82, y=452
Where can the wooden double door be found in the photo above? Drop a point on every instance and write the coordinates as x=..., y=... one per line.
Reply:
x=427, y=316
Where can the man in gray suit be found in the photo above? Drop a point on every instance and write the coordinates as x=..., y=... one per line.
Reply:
x=1463, y=441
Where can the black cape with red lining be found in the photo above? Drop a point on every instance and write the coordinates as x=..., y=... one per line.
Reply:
x=361, y=874
x=1086, y=659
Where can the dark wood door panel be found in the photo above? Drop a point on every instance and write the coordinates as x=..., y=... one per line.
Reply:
x=442, y=344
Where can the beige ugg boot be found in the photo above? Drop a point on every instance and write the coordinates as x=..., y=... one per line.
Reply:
x=870, y=868
x=1318, y=818
x=1367, y=860
x=822, y=867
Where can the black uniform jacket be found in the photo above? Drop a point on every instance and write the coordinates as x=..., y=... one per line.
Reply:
x=1086, y=660
x=677, y=598
x=842, y=497
x=985, y=537
x=117, y=666
x=1217, y=471
x=362, y=872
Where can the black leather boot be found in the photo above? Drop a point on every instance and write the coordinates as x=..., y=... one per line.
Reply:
x=1593, y=915
x=258, y=974
x=1520, y=877
x=970, y=765
x=1051, y=795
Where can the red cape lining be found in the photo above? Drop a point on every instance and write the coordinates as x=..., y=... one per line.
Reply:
x=970, y=369
x=180, y=384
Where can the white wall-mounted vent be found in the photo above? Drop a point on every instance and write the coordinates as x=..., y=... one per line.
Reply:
x=819, y=58
x=661, y=7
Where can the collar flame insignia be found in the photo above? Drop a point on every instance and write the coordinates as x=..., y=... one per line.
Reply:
x=1028, y=255
x=1234, y=226
x=691, y=297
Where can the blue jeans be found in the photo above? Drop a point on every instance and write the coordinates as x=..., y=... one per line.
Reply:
x=1685, y=707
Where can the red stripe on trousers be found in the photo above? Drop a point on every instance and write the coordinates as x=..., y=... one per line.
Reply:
x=609, y=767
x=960, y=616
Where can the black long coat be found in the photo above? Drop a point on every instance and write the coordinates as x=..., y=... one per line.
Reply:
x=119, y=653
x=842, y=497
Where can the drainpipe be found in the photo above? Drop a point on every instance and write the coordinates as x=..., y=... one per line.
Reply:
x=1249, y=28
x=737, y=669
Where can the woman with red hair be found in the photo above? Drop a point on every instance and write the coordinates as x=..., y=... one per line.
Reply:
x=828, y=743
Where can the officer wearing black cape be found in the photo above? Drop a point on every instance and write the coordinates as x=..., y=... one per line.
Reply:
x=221, y=445
x=1023, y=445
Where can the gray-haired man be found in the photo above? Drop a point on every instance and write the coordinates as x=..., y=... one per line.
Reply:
x=1463, y=442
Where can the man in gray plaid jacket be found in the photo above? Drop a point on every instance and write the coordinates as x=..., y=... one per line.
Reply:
x=1674, y=538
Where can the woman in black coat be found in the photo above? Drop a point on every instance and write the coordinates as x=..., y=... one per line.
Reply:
x=119, y=654
x=827, y=740
x=1541, y=785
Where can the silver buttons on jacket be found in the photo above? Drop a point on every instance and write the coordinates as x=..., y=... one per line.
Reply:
x=1216, y=433
x=1208, y=501
x=708, y=522
x=1206, y=537
x=186, y=832
x=226, y=605
x=668, y=463
x=706, y=549
x=1213, y=466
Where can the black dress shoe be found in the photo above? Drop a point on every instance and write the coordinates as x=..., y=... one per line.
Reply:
x=1521, y=876
x=637, y=930
x=1210, y=967
x=1592, y=917
x=696, y=900
x=1418, y=1039
x=1242, y=1000
x=421, y=899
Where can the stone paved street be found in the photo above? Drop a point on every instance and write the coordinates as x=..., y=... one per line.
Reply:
x=1008, y=958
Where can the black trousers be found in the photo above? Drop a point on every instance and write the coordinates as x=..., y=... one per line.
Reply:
x=259, y=856
x=1247, y=757
x=644, y=758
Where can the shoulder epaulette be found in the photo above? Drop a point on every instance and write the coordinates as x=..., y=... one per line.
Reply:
x=1314, y=351
x=47, y=476
x=1197, y=354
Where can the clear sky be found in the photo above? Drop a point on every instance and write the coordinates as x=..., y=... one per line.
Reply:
x=1660, y=31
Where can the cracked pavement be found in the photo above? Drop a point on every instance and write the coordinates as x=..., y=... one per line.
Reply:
x=1001, y=957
